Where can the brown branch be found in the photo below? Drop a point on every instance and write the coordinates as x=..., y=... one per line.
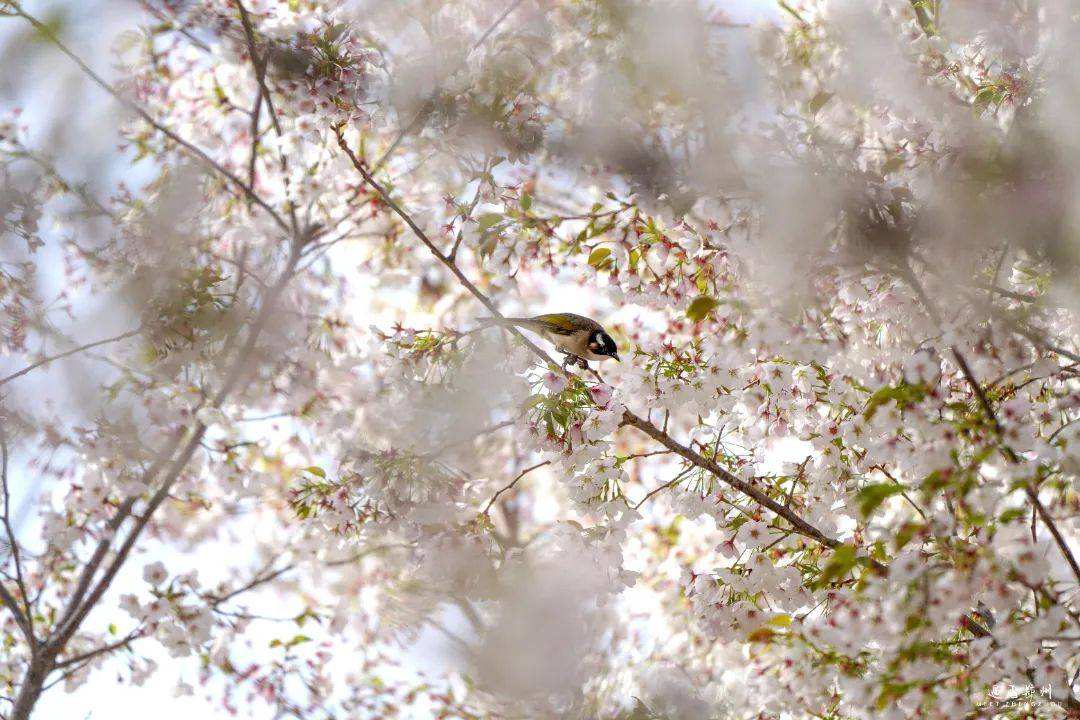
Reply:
x=429, y=105
x=523, y=473
x=1051, y=525
x=85, y=597
x=931, y=309
x=80, y=191
x=483, y=431
x=261, y=578
x=660, y=488
x=266, y=575
x=191, y=149
x=91, y=654
x=999, y=431
x=256, y=116
x=422, y=236
x=1012, y=295
x=236, y=373
x=262, y=96
x=21, y=620
x=1070, y=702
x=16, y=553
x=91, y=566
x=1039, y=341
x=69, y=353
x=800, y=525
x=629, y=418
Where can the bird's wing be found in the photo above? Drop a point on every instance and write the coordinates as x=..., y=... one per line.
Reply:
x=557, y=323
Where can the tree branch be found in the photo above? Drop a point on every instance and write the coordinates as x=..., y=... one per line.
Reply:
x=263, y=95
x=999, y=432
x=16, y=553
x=91, y=654
x=523, y=473
x=629, y=418
x=191, y=149
x=429, y=105
x=69, y=353
x=236, y=373
x=801, y=526
x=422, y=236
x=21, y=620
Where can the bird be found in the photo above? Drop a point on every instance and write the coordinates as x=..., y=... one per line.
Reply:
x=579, y=338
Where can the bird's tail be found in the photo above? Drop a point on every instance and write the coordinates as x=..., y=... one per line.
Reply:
x=486, y=322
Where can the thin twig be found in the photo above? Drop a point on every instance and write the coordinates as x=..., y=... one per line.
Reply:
x=999, y=430
x=91, y=654
x=523, y=473
x=192, y=149
x=16, y=551
x=800, y=525
x=69, y=353
x=21, y=620
x=264, y=96
x=429, y=105
x=422, y=236
x=660, y=488
x=483, y=431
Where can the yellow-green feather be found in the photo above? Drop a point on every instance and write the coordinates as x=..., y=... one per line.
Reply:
x=557, y=323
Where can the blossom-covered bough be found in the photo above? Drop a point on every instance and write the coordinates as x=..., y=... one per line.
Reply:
x=835, y=475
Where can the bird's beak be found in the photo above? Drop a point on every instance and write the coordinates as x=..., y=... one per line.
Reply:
x=616, y=356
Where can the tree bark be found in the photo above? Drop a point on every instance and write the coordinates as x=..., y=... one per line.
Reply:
x=32, y=684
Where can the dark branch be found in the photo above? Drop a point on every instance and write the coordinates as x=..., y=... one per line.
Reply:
x=69, y=353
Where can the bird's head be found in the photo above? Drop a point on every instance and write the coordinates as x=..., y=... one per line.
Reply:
x=600, y=343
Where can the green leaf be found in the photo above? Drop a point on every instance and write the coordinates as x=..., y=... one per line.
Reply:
x=819, y=101
x=892, y=165
x=641, y=711
x=905, y=534
x=839, y=565
x=985, y=96
x=761, y=635
x=599, y=257
x=701, y=307
x=315, y=470
x=489, y=220
x=526, y=201
x=297, y=640
x=534, y=400
x=870, y=497
x=902, y=395
x=1012, y=514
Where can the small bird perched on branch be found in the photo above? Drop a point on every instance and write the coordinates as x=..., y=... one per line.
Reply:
x=579, y=338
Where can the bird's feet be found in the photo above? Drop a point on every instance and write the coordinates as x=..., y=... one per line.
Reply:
x=571, y=360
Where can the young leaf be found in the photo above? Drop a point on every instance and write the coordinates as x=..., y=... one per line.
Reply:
x=599, y=256
x=871, y=496
x=892, y=164
x=489, y=220
x=819, y=101
x=701, y=307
